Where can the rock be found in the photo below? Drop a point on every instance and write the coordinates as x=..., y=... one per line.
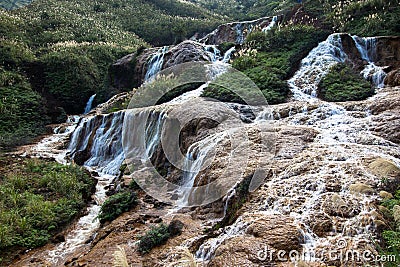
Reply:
x=122, y=74
x=385, y=195
x=385, y=211
x=388, y=51
x=175, y=227
x=320, y=224
x=361, y=188
x=335, y=205
x=277, y=231
x=393, y=78
x=187, y=51
x=239, y=251
x=384, y=168
x=379, y=224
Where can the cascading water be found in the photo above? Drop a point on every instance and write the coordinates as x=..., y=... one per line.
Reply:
x=367, y=49
x=242, y=29
x=342, y=143
x=100, y=136
x=155, y=63
x=196, y=157
x=271, y=24
x=89, y=104
x=219, y=66
x=315, y=66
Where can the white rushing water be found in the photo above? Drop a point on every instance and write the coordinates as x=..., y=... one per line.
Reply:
x=315, y=66
x=155, y=63
x=197, y=158
x=100, y=137
x=89, y=104
x=271, y=25
x=367, y=48
x=342, y=144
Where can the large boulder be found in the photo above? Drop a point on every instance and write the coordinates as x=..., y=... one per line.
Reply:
x=187, y=51
x=393, y=78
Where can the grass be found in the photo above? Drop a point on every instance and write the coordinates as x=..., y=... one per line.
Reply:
x=37, y=199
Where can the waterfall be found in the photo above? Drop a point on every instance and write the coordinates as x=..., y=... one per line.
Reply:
x=367, y=48
x=207, y=249
x=100, y=138
x=271, y=24
x=213, y=52
x=242, y=31
x=155, y=63
x=315, y=66
x=197, y=156
x=228, y=54
x=89, y=104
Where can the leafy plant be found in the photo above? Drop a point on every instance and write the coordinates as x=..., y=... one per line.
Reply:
x=116, y=205
x=156, y=236
x=37, y=199
x=344, y=84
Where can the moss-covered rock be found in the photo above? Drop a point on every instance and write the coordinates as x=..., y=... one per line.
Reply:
x=344, y=84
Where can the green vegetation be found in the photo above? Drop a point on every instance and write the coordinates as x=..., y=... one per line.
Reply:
x=246, y=9
x=22, y=115
x=344, y=84
x=364, y=18
x=116, y=205
x=391, y=237
x=269, y=59
x=37, y=199
x=63, y=51
x=156, y=236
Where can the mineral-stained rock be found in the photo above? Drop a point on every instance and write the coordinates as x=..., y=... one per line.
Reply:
x=393, y=78
x=239, y=251
x=385, y=195
x=361, y=188
x=277, y=231
x=187, y=51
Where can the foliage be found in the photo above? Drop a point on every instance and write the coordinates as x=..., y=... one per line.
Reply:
x=156, y=236
x=21, y=110
x=269, y=59
x=391, y=237
x=344, y=84
x=37, y=199
x=246, y=9
x=223, y=47
x=116, y=205
x=365, y=18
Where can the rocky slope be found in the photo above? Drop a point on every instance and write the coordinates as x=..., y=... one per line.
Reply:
x=305, y=177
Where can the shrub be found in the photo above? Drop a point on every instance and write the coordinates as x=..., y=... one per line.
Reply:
x=344, y=84
x=269, y=59
x=116, y=205
x=22, y=115
x=156, y=236
x=37, y=199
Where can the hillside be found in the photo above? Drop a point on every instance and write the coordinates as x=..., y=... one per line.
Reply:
x=56, y=54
